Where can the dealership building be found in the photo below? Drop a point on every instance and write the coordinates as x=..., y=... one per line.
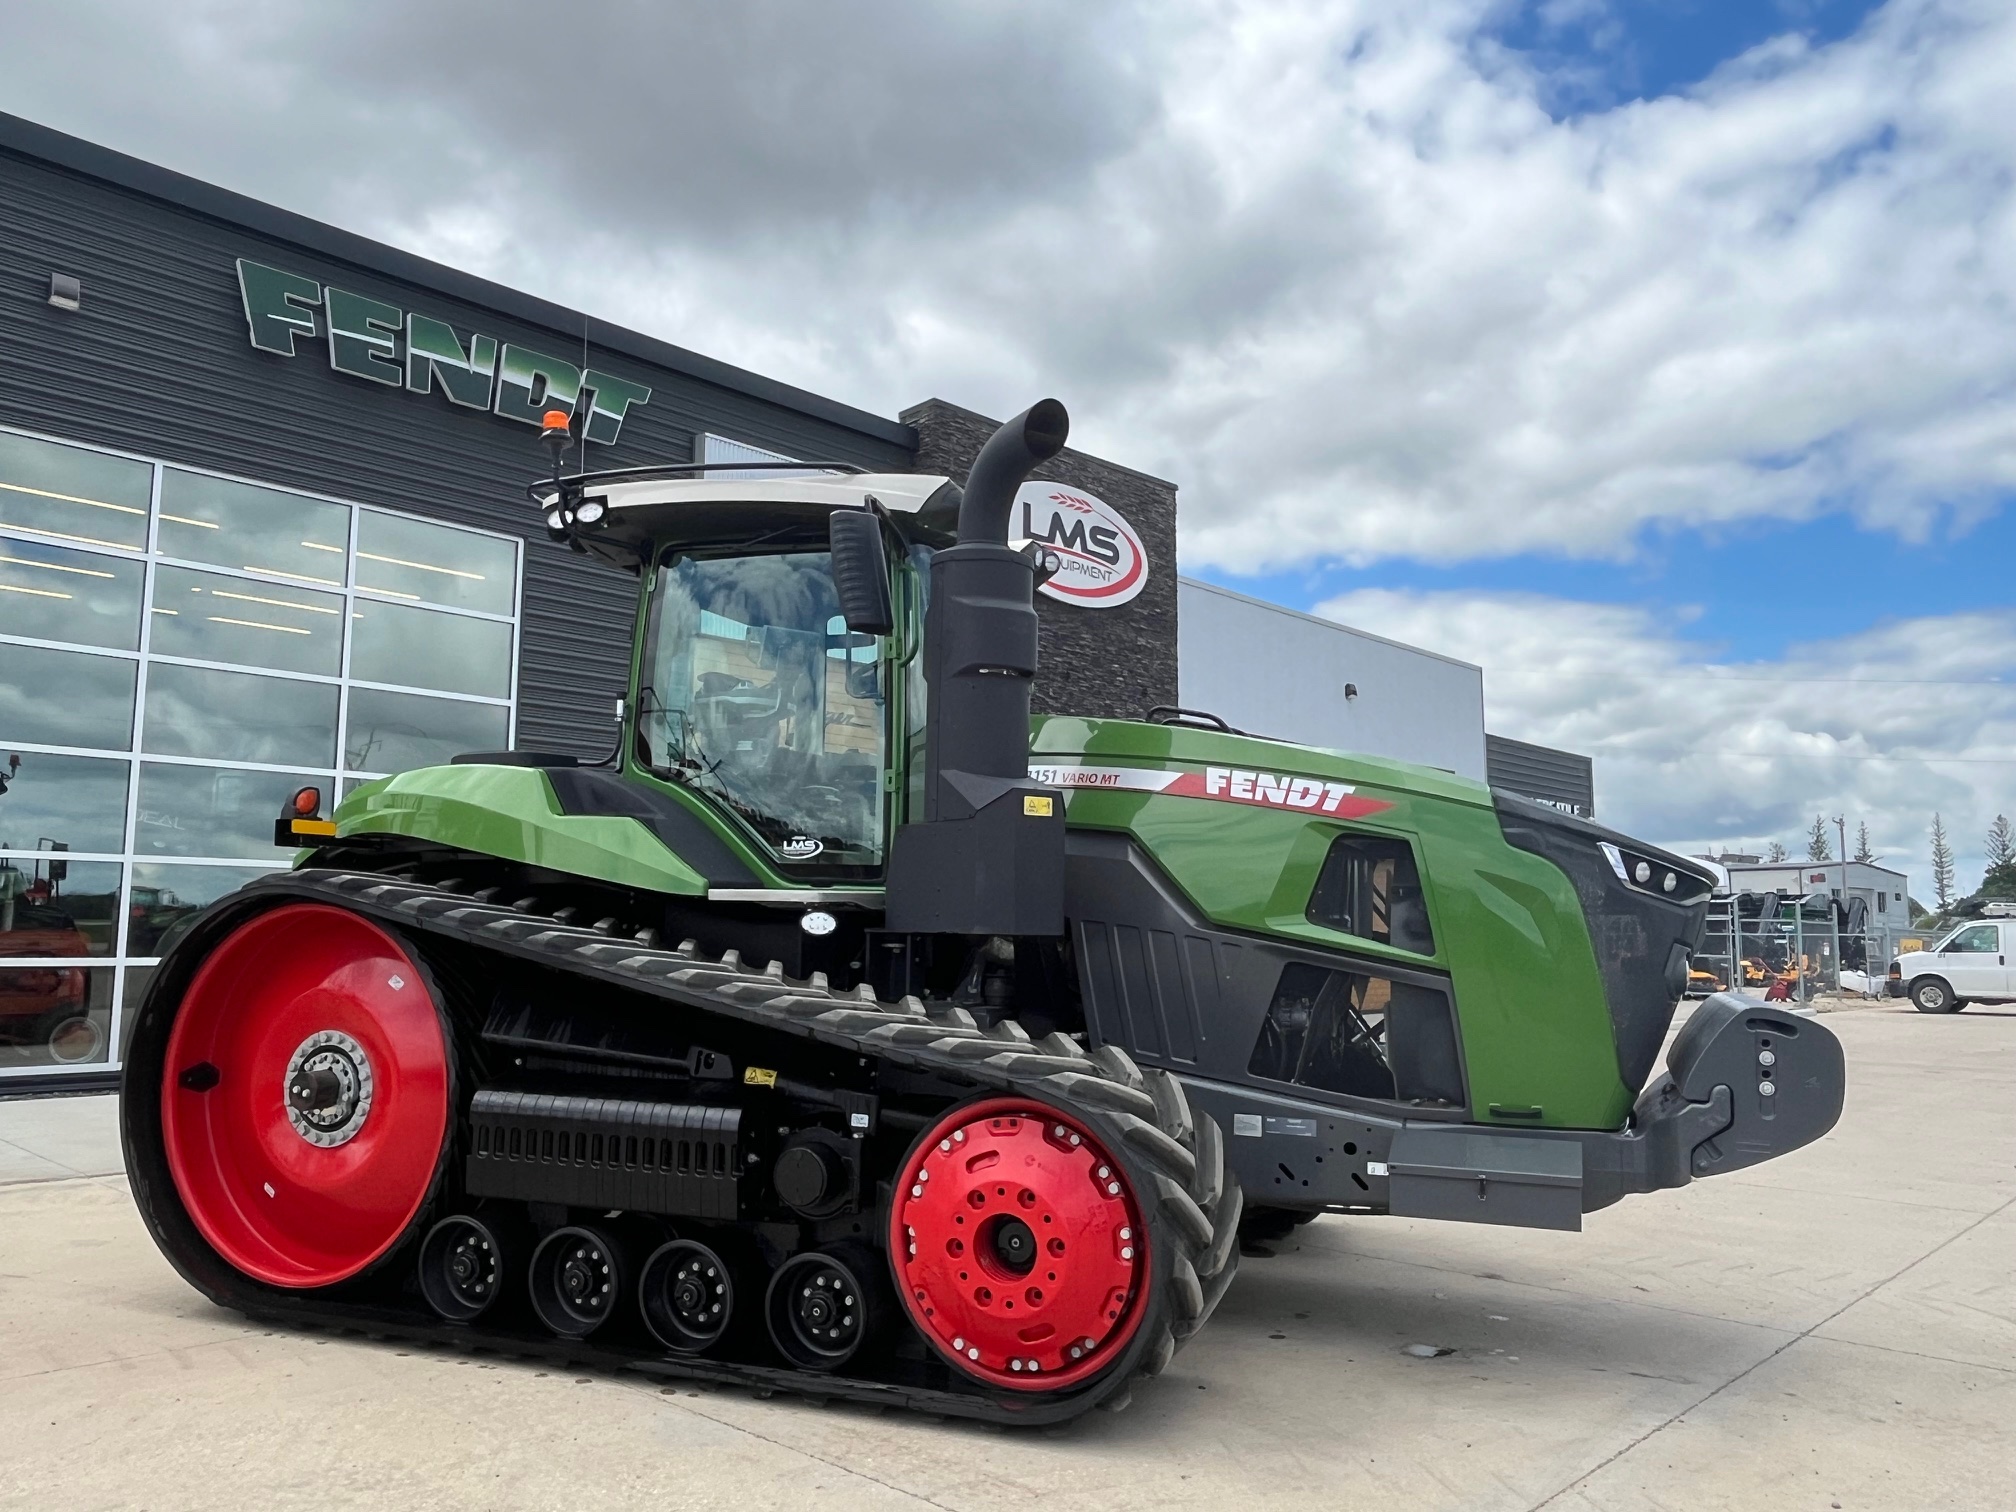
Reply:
x=263, y=524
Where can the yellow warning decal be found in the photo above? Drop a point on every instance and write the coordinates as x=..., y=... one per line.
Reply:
x=757, y=1076
x=314, y=827
x=1038, y=808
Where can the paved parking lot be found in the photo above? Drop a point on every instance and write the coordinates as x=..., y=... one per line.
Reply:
x=1834, y=1330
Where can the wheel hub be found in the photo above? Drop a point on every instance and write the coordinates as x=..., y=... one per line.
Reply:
x=472, y=1267
x=1019, y=1246
x=824, y=1310
x=328, y=1088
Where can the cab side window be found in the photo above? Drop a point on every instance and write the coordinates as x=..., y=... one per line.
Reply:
x=1370, y=887
x=1977, y=939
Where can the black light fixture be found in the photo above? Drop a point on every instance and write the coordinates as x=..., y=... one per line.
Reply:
x=1350, y=690
x=65, y=292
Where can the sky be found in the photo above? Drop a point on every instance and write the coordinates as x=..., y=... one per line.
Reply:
x=1657, y=355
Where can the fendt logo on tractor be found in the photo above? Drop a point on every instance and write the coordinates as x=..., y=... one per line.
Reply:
x=1105, y=564
x=1224, y=784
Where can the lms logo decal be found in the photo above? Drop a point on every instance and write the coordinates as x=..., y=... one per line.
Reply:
x=1105, y=564
x=1221, y=785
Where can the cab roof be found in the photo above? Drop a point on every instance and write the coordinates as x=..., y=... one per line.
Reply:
x=705, y=510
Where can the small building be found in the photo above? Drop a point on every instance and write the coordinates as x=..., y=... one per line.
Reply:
x=1883, y=890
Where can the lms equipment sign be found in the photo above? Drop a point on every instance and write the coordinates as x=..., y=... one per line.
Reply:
x=1105, y=564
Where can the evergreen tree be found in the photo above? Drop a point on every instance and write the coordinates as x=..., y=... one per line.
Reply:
x=1862, y=851
x=1776, y=853
x=1817, y=848
x=2001, y=842
x=1942, y=865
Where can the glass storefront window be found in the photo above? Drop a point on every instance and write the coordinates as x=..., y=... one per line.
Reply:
x=166, y=897
x=434, y=564
x=64, y=493
x=238, y=716
x=242, y=620
x=394, y=732
x=54, y=907
x=54, y=1016
x=207, y=616
x=78, y=802
x=254, y=529
x=53, y=593
x=423, y=648
x=211, y=811
x=67, y=698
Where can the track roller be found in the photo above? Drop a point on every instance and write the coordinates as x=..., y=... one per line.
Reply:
x=465, y=1266
x=688, y=1296
x=823, y=1306
x=576, y=1281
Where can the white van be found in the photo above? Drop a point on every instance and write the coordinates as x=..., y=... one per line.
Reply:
x=1975, y=963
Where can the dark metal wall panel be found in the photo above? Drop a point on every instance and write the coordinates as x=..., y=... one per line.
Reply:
x=1561, y=778
x=157, y=362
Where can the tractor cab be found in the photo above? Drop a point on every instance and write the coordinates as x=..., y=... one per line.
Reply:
x=749, y=689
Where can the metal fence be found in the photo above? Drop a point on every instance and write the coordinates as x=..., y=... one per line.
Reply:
x=1794, y=953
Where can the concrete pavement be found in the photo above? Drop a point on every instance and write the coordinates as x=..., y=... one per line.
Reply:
x=1834, y=1329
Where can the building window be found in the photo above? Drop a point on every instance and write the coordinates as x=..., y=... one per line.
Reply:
x=182, y=651
x=1370, y=887
x=1882, y=902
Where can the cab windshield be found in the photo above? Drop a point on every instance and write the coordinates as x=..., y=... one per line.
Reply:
x=756, y=694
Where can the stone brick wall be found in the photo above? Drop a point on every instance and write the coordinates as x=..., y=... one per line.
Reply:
x=1111, y=663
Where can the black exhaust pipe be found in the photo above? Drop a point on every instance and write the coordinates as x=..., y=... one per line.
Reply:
x=988, y=856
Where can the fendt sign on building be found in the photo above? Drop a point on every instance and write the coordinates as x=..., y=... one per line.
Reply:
x=381, y=343
x=1105, y=564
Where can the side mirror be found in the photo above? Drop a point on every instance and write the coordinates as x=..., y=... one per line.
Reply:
x=860, y=571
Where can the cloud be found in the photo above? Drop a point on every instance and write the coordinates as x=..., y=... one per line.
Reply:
x=1333, y=266
x=1693, y=750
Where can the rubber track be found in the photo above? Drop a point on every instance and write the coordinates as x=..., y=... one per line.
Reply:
x=1191, y=1200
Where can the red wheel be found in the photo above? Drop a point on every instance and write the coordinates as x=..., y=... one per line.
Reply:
x=305, y=1098
x=1018, y=1246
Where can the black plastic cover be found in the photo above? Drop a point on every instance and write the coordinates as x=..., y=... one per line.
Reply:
x=609, y=1153
x=1642, y=939
x=589, y=790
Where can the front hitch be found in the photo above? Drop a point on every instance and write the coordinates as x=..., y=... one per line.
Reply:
x=1745, y=1082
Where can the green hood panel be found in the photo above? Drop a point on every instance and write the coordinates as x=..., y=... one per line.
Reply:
x=510, y=812
x=1509, y=928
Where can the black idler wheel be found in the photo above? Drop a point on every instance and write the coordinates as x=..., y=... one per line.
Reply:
x=823, y=1306
x=576, y=1281
x=465, y=1265
x=689, y=1296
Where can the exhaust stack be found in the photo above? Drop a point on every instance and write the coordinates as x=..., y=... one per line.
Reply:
x=988, y=856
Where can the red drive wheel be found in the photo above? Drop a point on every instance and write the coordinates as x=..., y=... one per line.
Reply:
x=305, y=1098
x=1018, y=1246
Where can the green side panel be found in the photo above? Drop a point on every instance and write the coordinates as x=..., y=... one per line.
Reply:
x=1508, y=927
x=511, y=813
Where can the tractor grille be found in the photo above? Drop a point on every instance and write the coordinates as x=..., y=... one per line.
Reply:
x=1643, y=936
x=608, y=1153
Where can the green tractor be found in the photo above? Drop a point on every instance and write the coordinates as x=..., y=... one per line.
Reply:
x=846, y=1031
